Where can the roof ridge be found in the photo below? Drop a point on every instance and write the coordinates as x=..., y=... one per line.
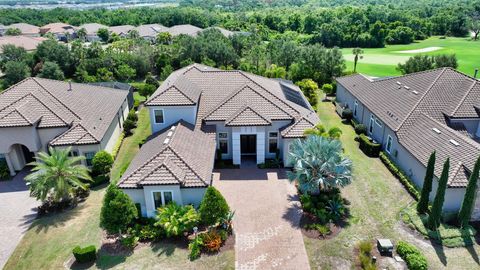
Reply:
x=164, y=165
x=242, y=110
x=170, y=87
x=48, y=108
x=419, y=101
x=186, y=163
x=456, y=170
x=295, y=123
x=64, y=105
x=14, y=85
x=19, y=113
x=464, y=97
x=411, y=74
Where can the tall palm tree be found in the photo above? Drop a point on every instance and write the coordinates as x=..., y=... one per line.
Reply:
x=319, y=164
x=320, y=130
x=56, y=175
x=358, y=55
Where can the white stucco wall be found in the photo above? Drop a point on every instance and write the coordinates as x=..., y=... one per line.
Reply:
x=172, y=114
x=287, y=162
x=181, y=196
x=260, y=136
x=115, y=129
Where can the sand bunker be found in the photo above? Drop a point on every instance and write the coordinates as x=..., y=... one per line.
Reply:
x=424, y=50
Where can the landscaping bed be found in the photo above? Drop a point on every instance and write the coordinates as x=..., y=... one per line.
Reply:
x=446, y=235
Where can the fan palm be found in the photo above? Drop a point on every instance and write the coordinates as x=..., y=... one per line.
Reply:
x=320, y=130
x=319, y=164
x=56, y=175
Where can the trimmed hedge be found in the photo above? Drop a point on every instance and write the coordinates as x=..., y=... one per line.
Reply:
x=400, y=175
x=369, y=148
x=358, y=127
x=412, y=256
x=4, y=171
x=86, y=254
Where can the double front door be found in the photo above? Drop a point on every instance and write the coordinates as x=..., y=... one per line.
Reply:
x=248, y=144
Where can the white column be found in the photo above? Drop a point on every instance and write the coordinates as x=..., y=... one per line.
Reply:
x=10, y=165
x=236, y=155
x=261, y=147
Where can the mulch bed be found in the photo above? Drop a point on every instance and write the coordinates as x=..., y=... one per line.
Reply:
x=307, y=219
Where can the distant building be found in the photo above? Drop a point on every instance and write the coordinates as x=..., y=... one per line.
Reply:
x=184, y=29
x=92, y=29
x=150, y=31
x=26, y=29
x=121, y=30
x=59, y=30
x=26, y=42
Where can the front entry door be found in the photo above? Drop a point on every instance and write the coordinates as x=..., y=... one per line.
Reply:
x=248, y=144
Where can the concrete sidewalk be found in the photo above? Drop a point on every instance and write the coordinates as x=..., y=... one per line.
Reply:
x=266, y=222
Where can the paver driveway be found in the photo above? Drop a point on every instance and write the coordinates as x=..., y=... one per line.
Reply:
x=16, y=212
x=267, y=215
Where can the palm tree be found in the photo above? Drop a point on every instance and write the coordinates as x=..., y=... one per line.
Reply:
x=56, y=175
x=319, y=164
x=82, y=34
x=358, y=55
x=320, y=130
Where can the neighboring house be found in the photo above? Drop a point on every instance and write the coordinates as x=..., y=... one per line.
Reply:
x=92, y=29
x=61, y=31
x=121, y=30
x=3, y=29
x=37, y=113
x=199, y=110
x=416, y=114
x=184, y=29
x=26, y=42
x=150, y=31
x=224, y=31
x=26, y=29
x=120, y=86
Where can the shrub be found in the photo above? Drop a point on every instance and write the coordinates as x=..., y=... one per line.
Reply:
x=412, y=256
x=322, y=229
x=347, y=114
x=118, y=211
x=369, y=148
x=4, y=171
x=84, y=255
x=128, y=125
x=400, y=175
x=213, y=207
x=116, y=148
x=366, y=262
x=132, y=115
x=195, y=247
x=360, y=129
x=365, y=247
x=130, y=241
x=212, y=241
x=102, y=163
x=176, y=219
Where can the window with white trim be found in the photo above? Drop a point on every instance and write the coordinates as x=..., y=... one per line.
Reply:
x=272, y=142
x=370, y=127
x=158, y=114
x=162, y=198
x=89, y=158
x=355, y=107
x=223, y=142
x=388, y=147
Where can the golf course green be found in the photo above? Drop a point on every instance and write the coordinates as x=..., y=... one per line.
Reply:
x=380, y=62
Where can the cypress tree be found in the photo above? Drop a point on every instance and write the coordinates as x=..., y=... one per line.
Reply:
x=435, y=215
x=422, y=206
x=469, y=199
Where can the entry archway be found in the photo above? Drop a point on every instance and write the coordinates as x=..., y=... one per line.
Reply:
x=19, y=156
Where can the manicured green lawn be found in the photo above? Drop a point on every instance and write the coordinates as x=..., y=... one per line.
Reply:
x=49, y=241
x=382, y=61
x=376, y=201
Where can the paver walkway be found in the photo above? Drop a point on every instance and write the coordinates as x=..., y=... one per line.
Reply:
x=267, y=215
x=17, y=210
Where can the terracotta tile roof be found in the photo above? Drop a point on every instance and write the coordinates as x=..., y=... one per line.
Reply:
x=57, y=28
x=424, y=120
x=86, y=110
x=247, y=116
x=25, y=28
x=121, y=29
x=170, y=157
x=28, y=43
x=92, y=28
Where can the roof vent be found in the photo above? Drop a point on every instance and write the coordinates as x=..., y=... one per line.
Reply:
x=452, y=141
x=172, y=128
x=166, y=141
x=436, y=130
x=406, y=87
x=69, y=86
x=399, y=83
x=170, y=134
x=415, y=92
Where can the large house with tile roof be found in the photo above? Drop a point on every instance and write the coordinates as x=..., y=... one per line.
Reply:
x=38, y=113
x=416, y=114
x=199, y=111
